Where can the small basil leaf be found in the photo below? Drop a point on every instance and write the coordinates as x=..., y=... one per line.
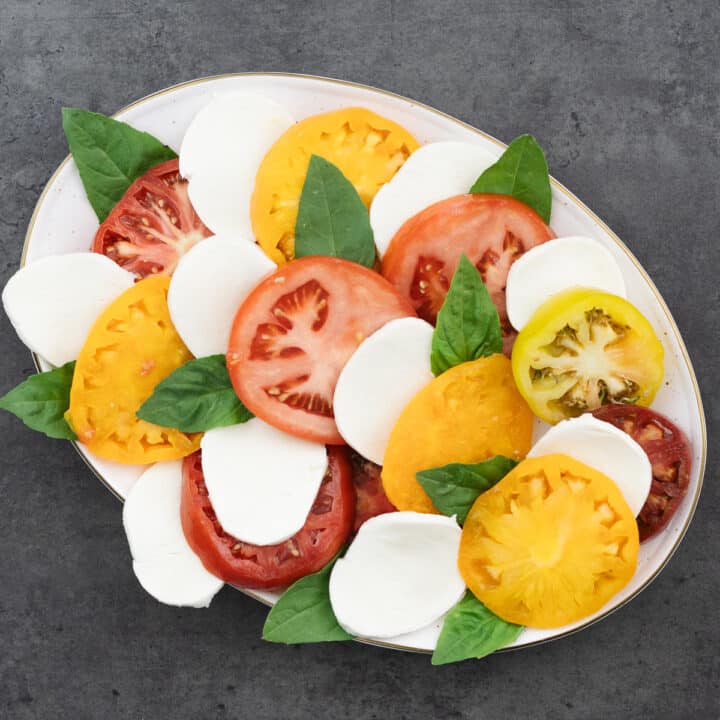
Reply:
x=454, y=488
x=198, y=396
x=521, y=172
x=109, y=155
x=303, y=613
x=332, y=219
x=470, y=630
x=468, y=326
x=42, y=400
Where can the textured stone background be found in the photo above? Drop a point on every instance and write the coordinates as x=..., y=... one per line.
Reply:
x=623, y=96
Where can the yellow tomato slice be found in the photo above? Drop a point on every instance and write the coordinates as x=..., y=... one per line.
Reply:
x=550, y=544
x=130, y=349
x=582, y=349
x=465, y=415
x=368, y=148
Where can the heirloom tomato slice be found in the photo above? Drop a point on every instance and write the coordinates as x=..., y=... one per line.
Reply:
x=371, y=497
x=295, y=331
x=152, y=225
x=549, y=544
x=670, y=456
x=492, y=231
x=584, y=348
x=131, y=347
x=368, y=149
x=326, y=530
x=465, y=415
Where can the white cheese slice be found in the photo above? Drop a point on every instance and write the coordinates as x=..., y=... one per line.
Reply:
x=221, y=152
x=604, y=447
x=557, y=265
x=432, y=173
x=399, y=575
x=261, y=481
x=53, y=302
x=163, y=561
x=207, y=287
x=383, y=374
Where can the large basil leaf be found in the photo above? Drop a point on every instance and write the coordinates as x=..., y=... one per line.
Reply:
x=454, y=488
x=332, y=219
x=303, y=613
x=42, y=400
x=198, y=396
x=468, y=326
x=109, y=155
x=521, y=172
x=470, y=630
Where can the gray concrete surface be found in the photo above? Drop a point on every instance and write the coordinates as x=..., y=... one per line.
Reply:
x=624, y=97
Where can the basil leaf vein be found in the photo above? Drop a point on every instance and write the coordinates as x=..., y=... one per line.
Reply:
x=109, y=155
x=468, y=326
x=332, y=219
x=522, y=173
x=454, y=488
x=42, y=400
x=195, y=397
x=303, y=614
x=470, y=630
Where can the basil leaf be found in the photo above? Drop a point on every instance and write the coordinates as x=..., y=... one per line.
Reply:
x=303, y=613
x=468, y=326
x=42, y=400
x=470, y=630
x=454, y=488
x=197, y=396
x=332, y=219
x=521, y=172
x=109, y=155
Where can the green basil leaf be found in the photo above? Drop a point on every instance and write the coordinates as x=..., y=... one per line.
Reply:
x=198, y=396
x=470, y=630
x=110, y=155
x=41, y=401
x=468, y=326
x=303, y=613
x=521, y=172
x=332, y=219
x=454, y=488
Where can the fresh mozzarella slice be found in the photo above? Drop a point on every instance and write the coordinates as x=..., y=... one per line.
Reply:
x=208, y=285
x=378, y=381
x=400, y=574
x=221, y=152
x=432, y=173
x=162, y=560
x=53, y=302
x=262, y=482
x=603, y=447
x=547, y=269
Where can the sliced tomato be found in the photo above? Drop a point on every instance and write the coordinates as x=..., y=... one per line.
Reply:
x=491, y=230
x=371, y=497
x=153, y=225
x=294, y=333
x=670, y=457
x=267, y=567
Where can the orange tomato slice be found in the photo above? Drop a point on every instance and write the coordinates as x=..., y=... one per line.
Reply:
x=368, y=148
x=130, y=349
x=465, y=415
x=550, y=544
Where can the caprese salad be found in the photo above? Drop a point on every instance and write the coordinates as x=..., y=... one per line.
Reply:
x=332, y=348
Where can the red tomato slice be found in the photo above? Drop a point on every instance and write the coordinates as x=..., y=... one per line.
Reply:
x=153, y=225
x=670, y=457
x=327, y=528
x=491, y=230
x=294, y=333
x=371, y=497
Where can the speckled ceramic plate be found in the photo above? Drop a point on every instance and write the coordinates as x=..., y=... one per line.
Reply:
x=64, y=222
